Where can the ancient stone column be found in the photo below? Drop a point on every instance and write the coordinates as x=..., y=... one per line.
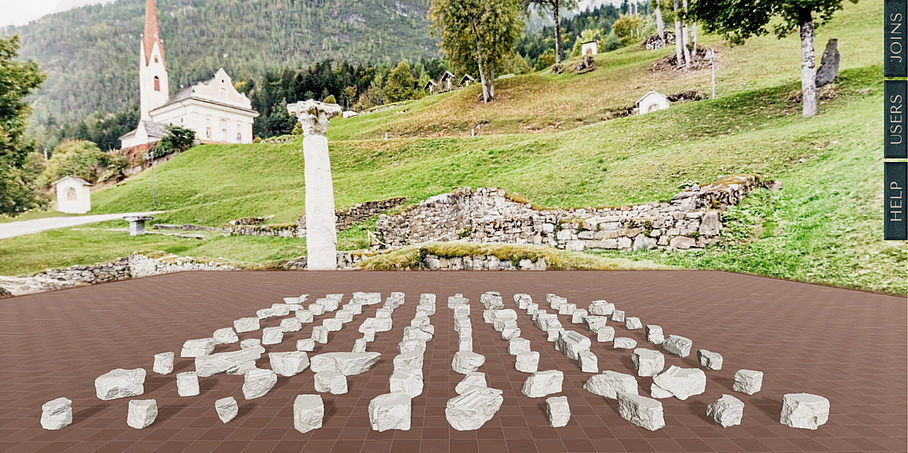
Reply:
x=321, y=232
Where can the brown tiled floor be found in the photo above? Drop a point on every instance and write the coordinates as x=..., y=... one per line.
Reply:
x=848, y=346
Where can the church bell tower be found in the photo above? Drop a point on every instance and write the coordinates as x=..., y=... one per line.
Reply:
x=153, y=85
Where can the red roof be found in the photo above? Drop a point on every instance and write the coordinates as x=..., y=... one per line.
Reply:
x=151, y=32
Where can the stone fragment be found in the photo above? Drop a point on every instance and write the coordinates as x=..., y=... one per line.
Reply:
x=491, y=299
x=578, y=315
x=387, y=312
x=462, y=311
x=227, y=408
x=465, y=344
x=407, y=381
x=522, y=300
x=509, y=332
x=461, y=323
x=251, y=343
x=409, y=360
x=594, y=323
x=280, y=310
x=680, y=382
x=748, y=381
x=709, y=360
x=360, y=344
x=316, y=308
x=543, y=383
x=677, y=345
x=258, y=382
x=554, y=333
x=228, y=362
x=308, y=412
x=610, y=383
x=474, y=379
x=571, y=344
x=467, y=362
x=726, y=411
x=346, y=363
x=618, y=316
x=188, y=384
x=57, y=414
x=369, y=334
x=605, y=334
x=804, y=410
x=197, y=348
x=272, y=335
x=532, y=308
x=589, y=363
x=415, y=333
x=344, y=316
x=367, y=298
x=647, y=362
x=527, y=362
x=320, y=334
x=654, y=334
x=567, y=309
x=305, y=316
x=632, y=323
x=288, y=363
x=411, y=346
x=141, y=413
x=545, y=321
x=624, y=343
x=601, y=307
x=382, y=324
x=501, y=324
x=292, y=300
x=390, y=411
x=225, y=336
x=330, y=382
x=333, y=324
x=120, y=383
x=518, y=345
x=265, y=313
x=558, y=410
x=555, y=301
x=641, y=411
x=163, y=363
x=472, y=409
x=291, y=325
x=307, y=344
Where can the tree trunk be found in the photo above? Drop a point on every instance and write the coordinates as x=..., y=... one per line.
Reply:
x=660, y=24
x=808, y=70
x=491, y=83
x=693, y=30
x=679, y=40
x=686, y=31
x=555, y=11
x=486, y=97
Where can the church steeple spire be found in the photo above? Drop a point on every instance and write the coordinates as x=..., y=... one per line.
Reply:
x=151, y=31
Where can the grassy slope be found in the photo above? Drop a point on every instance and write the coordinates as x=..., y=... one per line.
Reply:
x=822, y=227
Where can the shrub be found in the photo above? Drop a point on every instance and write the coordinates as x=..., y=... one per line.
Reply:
x=77, y=158
x=178, y=139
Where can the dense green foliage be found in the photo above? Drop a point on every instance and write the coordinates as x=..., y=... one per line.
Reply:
x=17, y=80
x=178, y=139
x=76, y=158
x=533, y=45
x=91, y=54
x=401, y=84
x=738, y=20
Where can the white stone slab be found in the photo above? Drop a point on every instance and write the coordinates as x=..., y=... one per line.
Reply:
x=411, y=346
x=578, y=315
x=618, y=316
x=748, y=381
x=589, y=363
x=610, y=383
x=383, y=324
x=624, y=343
x=518, y=345
x=197, y=348
x=407, y=381
x=258, y=382
x=605, y=334
x=654, y=334
x=163, y=363
x=142, y=413
x=367, y=298
x=474, y=379
x=308, y=413
x=316, y=308
x=251, y=343
x=558, y=410
x=225, y=336
x=265, y=313
x=465, y=344
x=188, y=384
x=57, y=414
x=508, y=333
x=291, y=325
x=554, y=333
x=320, y=334
x=726, y=411
x=522, y=300
x=632, y=323
x=472, y=409
x=543, y=383
x=272, y=335
x=305, y=316
x=594, y=323
x=280, y=310
x=709, y=360
x=677, y=345
x=527, y=362
x=408, y=360
x=243, y=325
x=306, y=345
x=647, y=362
x=415, y=333
x=227, y=408
x=681, y=382
x=288, y=363
x=467, y=362
x=346, y=363
x=120, y=383
x=333, y=324
x=360, y=345
x=344, y=316
x=330, y=382
x=641, y=411
x=601, y=307
x=571, y=344
x=390, y=411
x=804, y=410
x=224, y=362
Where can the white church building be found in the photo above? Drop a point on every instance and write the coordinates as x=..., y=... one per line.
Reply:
x=215, y=110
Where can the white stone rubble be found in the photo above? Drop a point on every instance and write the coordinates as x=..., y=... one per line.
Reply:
x=197, y=348
x=618, y=316
x=390, y=411
x=589, y=363
x=647, y=362
x=594, y=323
x=120, y=383
x=681, y=383
x=141, y=413
x=230, y=362
x=466, y=362
x=288, y=363
x=308, y=412
x=605, y=334
x=346, y=363
x=225, y=336
x=654, y=334
x=522, y=300
x=279, y=310
x=227, y=408
x=641, y=411
x=57, y=414
x=624, y=343
x=333, y=324
x=360, y=344
x=246, y=325
x=408, y=360
x=804, y=410
x=305, y=316
x=709, y=360
x=748, y=381
x=272, y=335
x=571, y=344
x=251, y=343
x=264, y=313
x=473, y=408
x=518, y=345
x=474, y=379
x=610, y=383
x=415, y=333
x=330, y=382
x=307, y=345
x=411, y=346
x=632, y=323
x=726, y=411
x=677, y=345
x=188, y=384
x=291, y=325
x=527, y=362
x=320, y=334
x=407, y=381
x=558, y=410
x=543, y=383
x=579, y=315
x=258, y=382
x=163, y=363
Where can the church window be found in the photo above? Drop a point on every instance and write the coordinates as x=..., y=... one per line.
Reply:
x=71, y=194
x=207, y=132
x=155, y=59
x=239, y=137
x=157, y=83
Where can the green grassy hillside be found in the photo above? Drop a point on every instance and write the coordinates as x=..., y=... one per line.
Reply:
x=825, y=225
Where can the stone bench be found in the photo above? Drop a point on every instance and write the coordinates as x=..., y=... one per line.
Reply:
x=137, y=224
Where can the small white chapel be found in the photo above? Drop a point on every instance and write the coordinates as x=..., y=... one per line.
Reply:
x=214, y=109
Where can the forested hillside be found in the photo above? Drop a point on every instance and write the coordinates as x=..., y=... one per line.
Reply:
x=91, y=56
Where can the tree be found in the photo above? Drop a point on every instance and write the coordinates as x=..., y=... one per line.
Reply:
x=738, y=20
x=330, y=99
x=660, y=24
x=77, y=158
x=17, y=80
x=628, y=28
x=401, y=84
x=555, y=6
x=477, y=34
x=178, y=139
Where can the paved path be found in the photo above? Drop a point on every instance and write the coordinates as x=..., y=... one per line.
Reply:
x=13, y=229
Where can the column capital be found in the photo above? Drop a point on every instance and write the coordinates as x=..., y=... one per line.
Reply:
x=314, y=115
